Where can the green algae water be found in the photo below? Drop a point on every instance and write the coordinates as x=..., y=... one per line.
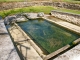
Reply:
x=48, y=35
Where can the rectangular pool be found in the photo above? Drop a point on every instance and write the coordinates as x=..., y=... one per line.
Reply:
x=48, y=35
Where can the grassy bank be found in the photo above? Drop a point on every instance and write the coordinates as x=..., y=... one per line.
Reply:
x=10, y=0
x=68, y=10
x=72, y=1
x=45, y=9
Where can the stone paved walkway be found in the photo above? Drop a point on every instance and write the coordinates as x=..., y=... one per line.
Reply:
x=7, y=49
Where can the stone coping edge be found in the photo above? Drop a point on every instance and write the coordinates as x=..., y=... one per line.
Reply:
x=39, y=51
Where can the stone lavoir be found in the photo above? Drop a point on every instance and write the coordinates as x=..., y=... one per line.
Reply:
x=48, y=35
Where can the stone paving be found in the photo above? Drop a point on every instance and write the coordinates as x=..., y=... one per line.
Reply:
x=73, y=54
x=7, y=49
x=28, y=52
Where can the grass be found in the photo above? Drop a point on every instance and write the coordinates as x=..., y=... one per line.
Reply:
x=10, y=0
x=72, y=1
x=21, y=0
x=77, y=1
x=45, y=9
x=68, y=10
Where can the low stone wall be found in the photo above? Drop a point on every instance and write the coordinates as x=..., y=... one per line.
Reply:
x=72, y=18
x=11, y=5
x=67, y=5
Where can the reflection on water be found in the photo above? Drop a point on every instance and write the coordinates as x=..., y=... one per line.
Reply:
x=48, y=35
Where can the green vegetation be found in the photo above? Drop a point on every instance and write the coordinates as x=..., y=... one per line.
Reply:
x=10, y=0
x=21, y=0
x=68, y=10
x=68, y=1
x=45, y=9
x=72, y=1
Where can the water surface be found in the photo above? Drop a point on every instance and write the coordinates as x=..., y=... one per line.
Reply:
x=49, y=36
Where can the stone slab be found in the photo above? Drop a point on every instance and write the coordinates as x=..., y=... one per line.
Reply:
x=32, y=15
x=7, y=49
x=56, y=52
x=28, y=52
x=2, y=27
x=73, y=54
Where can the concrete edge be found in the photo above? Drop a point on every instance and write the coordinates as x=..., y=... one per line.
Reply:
x=76, y=41
x=78, y=32
x=57, y=52
x=39, y=51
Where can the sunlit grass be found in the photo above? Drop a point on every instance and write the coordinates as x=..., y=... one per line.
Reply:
x=68, y=10
x=45, y=9
x=35, y=9
x=72, y=1
x=10, y=0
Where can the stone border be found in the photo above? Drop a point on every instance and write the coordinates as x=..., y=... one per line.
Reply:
x=68, y=28
x=45, y=57
x=11, y=5
x=40, y=52
x=76, y=41
x=56, y=52
x=69, y=17
x=72, y=54
x=63, y=48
